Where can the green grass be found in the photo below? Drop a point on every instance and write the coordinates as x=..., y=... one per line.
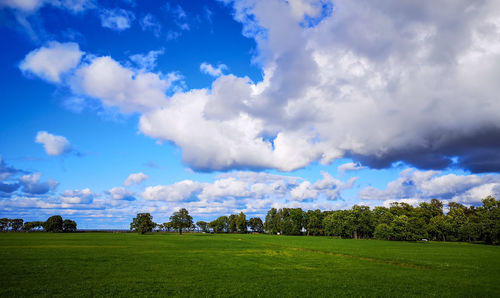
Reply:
x=107, y=264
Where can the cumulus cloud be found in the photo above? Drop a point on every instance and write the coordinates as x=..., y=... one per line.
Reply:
x=120, y=193
x=211, y=70
x=136, y=178
x=350, y=166
x=52, y=61
x=53, y=144
x=425, y=185
x=375, y=81
x=118, y=86
x=31, y=184
x=84, y=196
x=179, y=191
x=249, y=187
x=116, y=19
x=348, y=87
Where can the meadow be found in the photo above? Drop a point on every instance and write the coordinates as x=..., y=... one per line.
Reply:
x=201, y=265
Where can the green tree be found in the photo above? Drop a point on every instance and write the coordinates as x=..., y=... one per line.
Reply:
x=383, y=231
x=490, y=220
x=271, y=224
x=241, y=223
x=382, y=215
x=4, y=224
x=337, y=223
x=219, y=225
x=400, y=228
x=181, y=220
x=313, y=222
x=438, y=228
x=16, y=224
x=32, y=225
x=142, y=223
x=232, y=224
x=360, y=220
x=203, y=225
x=69, y=225
x=256, y=224
x=53, y=224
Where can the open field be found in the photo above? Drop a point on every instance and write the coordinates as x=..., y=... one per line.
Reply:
x=120, y=264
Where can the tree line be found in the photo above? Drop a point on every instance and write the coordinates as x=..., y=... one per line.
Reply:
x=399, y=221
x=54, y=224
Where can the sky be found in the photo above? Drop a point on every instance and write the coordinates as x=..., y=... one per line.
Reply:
x=112, y=108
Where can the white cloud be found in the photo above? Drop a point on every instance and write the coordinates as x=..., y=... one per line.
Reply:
x=136, y=178
x=350, y=166
x=328, y=187
x=425, y=185
x=118, y=86
x=251, y=192
x=378, y=82
x=27, y=6
x=172, y=193
x=148, y=61
x=33, y=186
x=84, y=196
x=117, y=19
x=358, y=94
x=150, y=23
x=53, y=144
x=120, y=193
x=53, y=60
x=211, y=70
x=31, y=6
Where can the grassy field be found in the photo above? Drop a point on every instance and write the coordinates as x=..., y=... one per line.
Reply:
x=107, y=264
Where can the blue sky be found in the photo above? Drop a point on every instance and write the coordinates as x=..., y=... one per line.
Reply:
x=110, y=108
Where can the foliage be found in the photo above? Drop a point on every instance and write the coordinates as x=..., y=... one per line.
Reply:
x=219, y=225
x=181, y=220
x=203, y=225
x=256, y=224
x=16, y=224
x=241, y=223
x=142, y=223
x=383, y=231
x=32, y=225
x=53, y=224
x=69, y=225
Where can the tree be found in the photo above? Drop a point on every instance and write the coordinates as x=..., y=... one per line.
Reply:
x=271, y=224
x=241, y=223
x=360, y=219
x=69, y=225
x=383, y=231
x=232, y=223
x=400, y=228
x=142, y=223
x=219, y=225
x=490, y=220
x=256, y=224
x=4, y=224
x=203, y=225
x=53, y=224
x=337, y=224
x=16, y=224
x=32, y=225
x=181, y=220
x=313, y=222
